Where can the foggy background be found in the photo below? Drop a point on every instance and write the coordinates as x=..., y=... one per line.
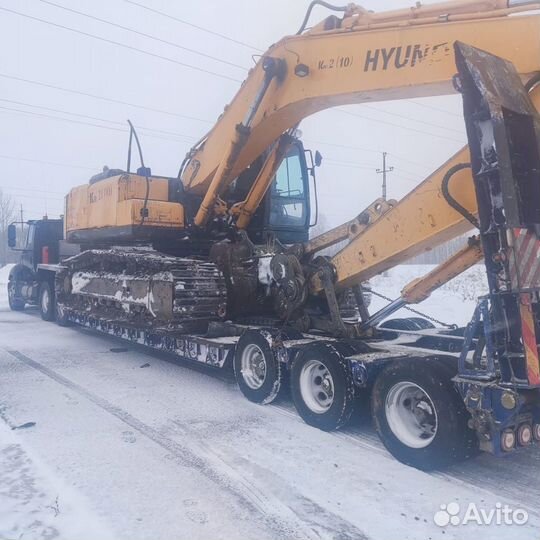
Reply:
x=65, y=98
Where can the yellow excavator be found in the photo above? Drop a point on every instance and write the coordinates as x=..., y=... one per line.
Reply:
x=217, y=266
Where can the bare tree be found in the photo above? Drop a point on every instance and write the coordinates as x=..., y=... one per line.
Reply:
x=7, y=215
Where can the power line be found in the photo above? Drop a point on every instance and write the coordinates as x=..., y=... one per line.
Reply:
x=42, y=115
x=179, y=115
x=42, y=162
x=407, y=160
x=346, y=163
x=149, y=36
x=399, y=126
x=431, y=107
x=11, y=188
x=102, y=98
x=202, y=28
x=413, y=176
x=14, y=188
x=37, y=197
x=363, y=149
x=398, y=115
x=119, y=44
x=164, y=132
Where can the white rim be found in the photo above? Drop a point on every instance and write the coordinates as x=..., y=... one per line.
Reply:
x=253, y=366
x=316, y=386
x=45, y=300
x=411, y=415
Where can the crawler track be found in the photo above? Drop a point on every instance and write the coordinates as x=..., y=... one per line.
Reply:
x=141, y=287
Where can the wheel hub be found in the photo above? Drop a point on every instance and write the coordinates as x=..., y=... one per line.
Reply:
x=317, y=386
x=253, y=366
x=45, y=301
x=411, y=414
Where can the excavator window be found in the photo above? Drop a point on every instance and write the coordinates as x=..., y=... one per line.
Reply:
x=288, y=206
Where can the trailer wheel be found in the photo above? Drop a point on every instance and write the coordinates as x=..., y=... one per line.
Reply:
x=419, y=414
x=61, y=317
x=257, y=370
x=322, y=387
x=46, y=301
x=15, y=303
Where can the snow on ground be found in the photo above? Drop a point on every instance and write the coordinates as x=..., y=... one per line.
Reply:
x=130, y=442
x=36, y=503
x=4, y=276
x=453, y=303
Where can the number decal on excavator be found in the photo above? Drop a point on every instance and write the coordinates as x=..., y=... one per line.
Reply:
x=336, y=63
x=98, y=195
x=404, y=55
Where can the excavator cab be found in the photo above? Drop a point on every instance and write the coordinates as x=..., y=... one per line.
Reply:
x=285, y=211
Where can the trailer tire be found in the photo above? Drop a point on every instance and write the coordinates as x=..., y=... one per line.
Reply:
x=434, y=433
x=408, y=323
x=322, y=386
x=46, y=301
x=257, y=369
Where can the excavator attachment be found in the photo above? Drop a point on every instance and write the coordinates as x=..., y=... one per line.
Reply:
x=503, y=128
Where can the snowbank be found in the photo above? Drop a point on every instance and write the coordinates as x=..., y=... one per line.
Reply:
x=453, y=303
x=4, y=273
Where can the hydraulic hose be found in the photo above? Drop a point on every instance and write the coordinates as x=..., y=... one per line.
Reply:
x=450, y=200
x=145, y=205
x=318, y=3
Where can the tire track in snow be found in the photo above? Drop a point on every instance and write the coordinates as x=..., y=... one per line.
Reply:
x=476, y=474
x=236, y=467
x=280, y=518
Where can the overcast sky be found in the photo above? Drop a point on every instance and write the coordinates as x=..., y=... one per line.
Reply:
x=67, y=149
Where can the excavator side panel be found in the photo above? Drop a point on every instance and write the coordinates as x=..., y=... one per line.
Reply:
x=111, y=210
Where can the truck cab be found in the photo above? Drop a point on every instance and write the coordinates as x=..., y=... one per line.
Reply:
x=40, y=243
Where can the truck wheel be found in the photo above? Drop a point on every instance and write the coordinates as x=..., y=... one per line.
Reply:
x=322, y=387
x=257, y=370
x=46, y=301
x=15, y=303
x=419, y=414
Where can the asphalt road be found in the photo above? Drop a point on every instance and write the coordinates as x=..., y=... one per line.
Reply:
x=158, y=449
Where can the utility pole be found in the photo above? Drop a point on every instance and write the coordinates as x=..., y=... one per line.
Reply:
x=383, y=171
x=22, y=222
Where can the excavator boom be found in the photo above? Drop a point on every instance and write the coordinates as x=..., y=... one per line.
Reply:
x=351, y=62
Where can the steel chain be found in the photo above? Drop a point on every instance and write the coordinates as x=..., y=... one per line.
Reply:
x=428, y=317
